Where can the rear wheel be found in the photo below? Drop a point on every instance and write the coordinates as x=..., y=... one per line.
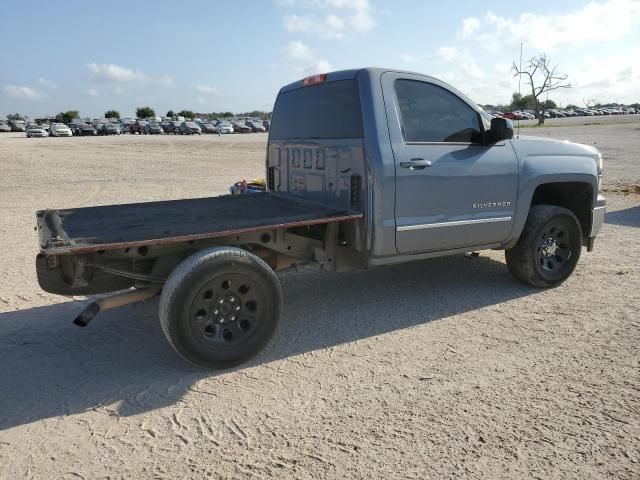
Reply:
x=220, y=307
x=548, y=249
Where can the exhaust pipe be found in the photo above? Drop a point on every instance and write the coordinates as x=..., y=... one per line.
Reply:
x=113, y=301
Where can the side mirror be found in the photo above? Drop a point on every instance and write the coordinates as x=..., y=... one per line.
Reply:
x=501, y=129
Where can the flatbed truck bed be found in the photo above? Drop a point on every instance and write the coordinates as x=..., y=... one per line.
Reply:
x=109, y=227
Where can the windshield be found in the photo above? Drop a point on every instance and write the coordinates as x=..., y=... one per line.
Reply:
x=191, y=124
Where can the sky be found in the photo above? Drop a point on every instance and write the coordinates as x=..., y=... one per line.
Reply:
x=218, y=56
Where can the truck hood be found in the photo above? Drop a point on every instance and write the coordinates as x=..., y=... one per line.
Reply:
x=527, y=146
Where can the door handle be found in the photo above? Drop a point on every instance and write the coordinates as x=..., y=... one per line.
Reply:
x=416, y=164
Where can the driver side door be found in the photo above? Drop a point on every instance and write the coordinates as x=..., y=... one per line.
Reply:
x=452, y=189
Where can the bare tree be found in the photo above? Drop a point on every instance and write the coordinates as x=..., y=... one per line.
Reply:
x=590, y=102
x=542, y=77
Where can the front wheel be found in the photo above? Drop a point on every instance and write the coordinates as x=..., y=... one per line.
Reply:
x=548, y=249
x=220, y=307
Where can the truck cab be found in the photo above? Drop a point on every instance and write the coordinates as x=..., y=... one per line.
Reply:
x=433, y=172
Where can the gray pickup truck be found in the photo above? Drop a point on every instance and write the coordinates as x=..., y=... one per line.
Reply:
x=364, y=168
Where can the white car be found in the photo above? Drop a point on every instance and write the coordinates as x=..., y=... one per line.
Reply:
x=36, y=131
x=60, y=130
x=224, y=127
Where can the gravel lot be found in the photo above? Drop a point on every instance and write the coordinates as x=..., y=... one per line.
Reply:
x=437, y=369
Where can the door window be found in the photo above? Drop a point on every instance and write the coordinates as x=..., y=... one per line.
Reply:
x=432, y=114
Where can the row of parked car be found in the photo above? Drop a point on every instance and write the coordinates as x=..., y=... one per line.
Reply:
x=142, y=127
x=196, y=127
x=555, y=113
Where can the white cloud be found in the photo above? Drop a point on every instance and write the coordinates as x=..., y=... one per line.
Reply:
x=304, y=60
x=318, y=66
x=109, y=72
x=209, y=90
x=322, y=66
x=503, y=68
x=165, y=81
x=93, y=92
x=329, y=18
x=608, y=79
x=472, y=70
x=334, y=23
x=115, y=73
x=447, y=53
x=594, y=23
x=469, y=26
x=327, y=27
x=46, y=83
x=446, y=76
x=408, y=58
x=21, y=92
x=297, y=50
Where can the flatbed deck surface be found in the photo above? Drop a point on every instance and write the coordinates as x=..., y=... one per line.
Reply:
x=117, y=226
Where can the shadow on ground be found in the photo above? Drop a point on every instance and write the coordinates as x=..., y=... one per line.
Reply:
x=629, y=217
x=122, y=361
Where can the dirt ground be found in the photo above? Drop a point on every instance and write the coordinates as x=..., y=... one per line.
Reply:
x=444, y=368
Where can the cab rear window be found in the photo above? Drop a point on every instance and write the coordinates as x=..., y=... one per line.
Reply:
x=329, y=110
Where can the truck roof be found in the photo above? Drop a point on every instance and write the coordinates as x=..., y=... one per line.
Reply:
x=376, y=72
x=352, y=73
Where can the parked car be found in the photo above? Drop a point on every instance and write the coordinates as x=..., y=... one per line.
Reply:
x=255, y=126
x=84, y=129
x=18, y=126
x=190, y=128
x=513, y=116
x=173, y=127
x=153, y=129
x=208, y=128
x=556, y=114
x=5, y=127
x=214, y=260
x=240, y=127
x=36, y=131
x=137, y=127
x=60, y=130
x=224, y=127
x=109, y=129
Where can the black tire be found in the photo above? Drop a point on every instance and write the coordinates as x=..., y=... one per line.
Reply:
x=220, y=307
x=548, y=249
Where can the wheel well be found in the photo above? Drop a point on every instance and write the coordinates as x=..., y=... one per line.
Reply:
x=574, y=196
